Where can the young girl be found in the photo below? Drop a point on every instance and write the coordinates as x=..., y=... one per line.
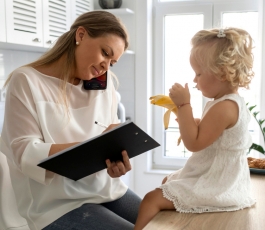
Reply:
x=216, y=177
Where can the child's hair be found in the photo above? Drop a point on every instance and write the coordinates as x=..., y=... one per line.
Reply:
x=227, y=53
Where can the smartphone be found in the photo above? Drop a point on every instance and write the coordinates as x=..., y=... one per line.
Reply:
x=97, y=83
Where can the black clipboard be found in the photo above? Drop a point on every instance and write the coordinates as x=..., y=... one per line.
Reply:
x=88, y=157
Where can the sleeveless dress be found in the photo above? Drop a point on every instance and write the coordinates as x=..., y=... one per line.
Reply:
x=216, y=178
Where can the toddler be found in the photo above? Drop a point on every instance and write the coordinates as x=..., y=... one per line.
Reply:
x=216, y=177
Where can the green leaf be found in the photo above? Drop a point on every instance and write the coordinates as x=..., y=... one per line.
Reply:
x=255, y=113
x=261, y=121
x=257, y=148
x=263, y=129
x=252, y=107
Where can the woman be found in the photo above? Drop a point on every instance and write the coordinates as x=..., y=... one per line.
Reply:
x=48, y=110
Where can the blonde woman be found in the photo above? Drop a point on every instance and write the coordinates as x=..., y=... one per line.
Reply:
x=47, y=110
x=216, y=177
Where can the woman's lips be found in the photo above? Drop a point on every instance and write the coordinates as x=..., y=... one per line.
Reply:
x=95, y=72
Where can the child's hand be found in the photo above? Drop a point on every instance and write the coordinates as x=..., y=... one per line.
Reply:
x=179, y=94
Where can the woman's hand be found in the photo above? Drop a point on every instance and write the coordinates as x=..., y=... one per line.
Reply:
x=119, y=168
x=111, y=127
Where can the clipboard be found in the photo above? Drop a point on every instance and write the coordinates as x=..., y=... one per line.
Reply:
x=89, y=157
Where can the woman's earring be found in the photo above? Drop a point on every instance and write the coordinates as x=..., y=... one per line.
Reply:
x=77, y=43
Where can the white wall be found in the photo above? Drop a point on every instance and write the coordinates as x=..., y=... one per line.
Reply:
x=10, y=60
x=125, y=70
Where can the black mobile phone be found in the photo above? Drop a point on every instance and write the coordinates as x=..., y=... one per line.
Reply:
x=97, y=83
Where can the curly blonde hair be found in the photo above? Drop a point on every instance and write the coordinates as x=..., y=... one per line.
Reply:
x=227, y=57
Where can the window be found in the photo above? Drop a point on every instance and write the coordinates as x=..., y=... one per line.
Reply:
x=177, y=68
x=175, y=24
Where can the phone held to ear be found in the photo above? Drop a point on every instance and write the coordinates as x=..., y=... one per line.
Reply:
x=97, y=83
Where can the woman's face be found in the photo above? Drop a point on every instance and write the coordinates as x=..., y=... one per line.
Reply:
x=94, y=56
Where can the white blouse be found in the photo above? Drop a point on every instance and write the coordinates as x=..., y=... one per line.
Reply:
x=33, y=122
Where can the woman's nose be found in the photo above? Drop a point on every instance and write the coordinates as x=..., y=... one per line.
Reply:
x=106, y=64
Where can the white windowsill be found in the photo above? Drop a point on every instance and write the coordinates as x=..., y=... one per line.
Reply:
x=159, y=171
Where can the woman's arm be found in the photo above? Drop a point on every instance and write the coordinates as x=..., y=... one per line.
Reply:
x=55, y=148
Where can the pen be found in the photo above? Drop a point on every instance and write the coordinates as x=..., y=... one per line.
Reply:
x=100, y=124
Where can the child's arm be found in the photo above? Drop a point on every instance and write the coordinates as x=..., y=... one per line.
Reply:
x=195, y=137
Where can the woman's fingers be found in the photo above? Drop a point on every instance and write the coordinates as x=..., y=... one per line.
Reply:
x=126, y=160
x=116, y=169
x=110, y=127
x=119, y=168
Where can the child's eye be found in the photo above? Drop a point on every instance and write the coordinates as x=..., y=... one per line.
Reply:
x=197, y=75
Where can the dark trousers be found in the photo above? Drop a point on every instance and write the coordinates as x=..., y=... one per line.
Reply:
x=120, y=214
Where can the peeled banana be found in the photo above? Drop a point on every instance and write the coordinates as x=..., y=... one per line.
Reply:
x=166, y=102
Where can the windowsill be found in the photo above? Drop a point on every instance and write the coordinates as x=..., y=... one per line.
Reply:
x=160, y=171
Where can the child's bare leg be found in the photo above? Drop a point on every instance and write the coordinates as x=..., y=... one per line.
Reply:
x=152, y=203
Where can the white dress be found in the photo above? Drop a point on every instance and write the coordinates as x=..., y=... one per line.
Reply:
x=33, y=122
x=216, y=178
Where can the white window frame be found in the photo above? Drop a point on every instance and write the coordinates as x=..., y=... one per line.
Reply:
x=212, y=11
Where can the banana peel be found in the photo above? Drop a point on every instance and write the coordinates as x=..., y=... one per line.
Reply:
x=166, y=102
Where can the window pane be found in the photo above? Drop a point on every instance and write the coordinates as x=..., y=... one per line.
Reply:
x=172, y=149
x=179, y=30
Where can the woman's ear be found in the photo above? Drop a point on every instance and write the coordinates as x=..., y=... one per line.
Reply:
x=80, y=33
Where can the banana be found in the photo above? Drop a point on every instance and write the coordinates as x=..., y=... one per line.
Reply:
x=166, y=102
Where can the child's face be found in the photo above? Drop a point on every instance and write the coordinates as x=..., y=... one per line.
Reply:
x=206, y=82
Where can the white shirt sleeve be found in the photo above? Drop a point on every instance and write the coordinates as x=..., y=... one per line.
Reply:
x=22, y=133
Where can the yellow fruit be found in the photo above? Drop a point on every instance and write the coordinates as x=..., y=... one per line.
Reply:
x=166, y=102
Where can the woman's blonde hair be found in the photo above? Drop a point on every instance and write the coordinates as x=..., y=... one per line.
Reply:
x=97, y=24
x=227, y=53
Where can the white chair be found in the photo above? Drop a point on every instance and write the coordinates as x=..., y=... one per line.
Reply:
x=121, y=109
x=9, y=216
